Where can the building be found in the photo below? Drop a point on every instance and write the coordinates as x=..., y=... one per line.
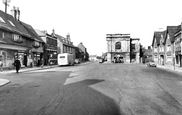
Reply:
x=135, y=50
x=124, y=46
x=93, y=57
x=65, y=45
x=177, y=54
x=155, y=44
x=50, y=47
x=85, y=56
x=14, y=40
x=164, y=46
x=37, y=53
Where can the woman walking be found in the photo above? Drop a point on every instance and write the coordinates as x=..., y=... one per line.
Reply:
x=17, y=65
x=1, y=65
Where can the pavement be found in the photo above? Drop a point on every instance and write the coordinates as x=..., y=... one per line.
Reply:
x=6, y=81
x=170, y=68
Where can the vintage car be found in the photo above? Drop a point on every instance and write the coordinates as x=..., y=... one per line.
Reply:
x=101, y=60
x=151, y=64
x=118, y=60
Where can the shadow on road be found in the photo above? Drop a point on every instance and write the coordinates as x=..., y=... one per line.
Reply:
x=81, y=99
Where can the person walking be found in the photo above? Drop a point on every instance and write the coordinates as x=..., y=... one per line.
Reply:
x=1, y=65
x=17, y=65
x=42, y=62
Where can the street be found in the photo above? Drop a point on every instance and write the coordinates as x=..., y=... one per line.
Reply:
x=93, y=89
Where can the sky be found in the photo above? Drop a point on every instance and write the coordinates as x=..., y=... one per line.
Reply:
x=88, y=21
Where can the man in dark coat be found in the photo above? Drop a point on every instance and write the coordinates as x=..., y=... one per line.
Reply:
x=17, y=65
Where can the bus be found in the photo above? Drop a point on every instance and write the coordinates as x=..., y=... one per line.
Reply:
x=66, y=59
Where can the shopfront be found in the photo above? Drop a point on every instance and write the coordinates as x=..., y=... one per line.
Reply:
x=37, y=56
x=8, y=53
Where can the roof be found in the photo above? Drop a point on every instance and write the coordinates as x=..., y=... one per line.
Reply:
x=61, y=38
x=81, y=44
x=32, y=32
x=157, y=36
x=40, y=33
x=148, y=52
x=12, y=25
x=171, y=30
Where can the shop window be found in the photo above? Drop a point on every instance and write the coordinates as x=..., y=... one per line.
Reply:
x=118, y=45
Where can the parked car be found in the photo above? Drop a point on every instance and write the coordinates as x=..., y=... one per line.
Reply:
x=151, y=64
x=101, y=60
x=118, y=60
x=77, y=61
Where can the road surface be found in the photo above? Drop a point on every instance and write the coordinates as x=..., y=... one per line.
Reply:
x=93, y=89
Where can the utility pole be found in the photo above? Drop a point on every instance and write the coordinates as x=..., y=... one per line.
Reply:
x=6, y=3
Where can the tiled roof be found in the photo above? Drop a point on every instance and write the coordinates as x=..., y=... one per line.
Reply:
x=10, y=42
x=32, y=32
x=171, y=30
x=40, y=33
x=61, y=38
x=157, y=36
x=19, y=29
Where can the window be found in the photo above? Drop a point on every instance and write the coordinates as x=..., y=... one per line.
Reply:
x=118, y=45
x=169, y=48
x=11, y=23
x=3, y=35
x=17, y=38
x=36, y=44
x=1, y=20
x=155, y=49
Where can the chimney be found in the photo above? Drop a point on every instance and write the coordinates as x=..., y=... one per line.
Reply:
x=53, y=32
x=149, y=47
x=18, y=14
x=68, y=37
x=15, y=12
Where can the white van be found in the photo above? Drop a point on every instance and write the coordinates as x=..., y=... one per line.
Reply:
x=66, y=59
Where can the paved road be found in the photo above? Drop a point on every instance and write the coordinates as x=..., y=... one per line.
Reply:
x=93, y=89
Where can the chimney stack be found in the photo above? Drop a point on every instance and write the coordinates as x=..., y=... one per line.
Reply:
x=15, y=12
x=18, y=14
x=68, y=37
x=149, y=47
x=53, y=32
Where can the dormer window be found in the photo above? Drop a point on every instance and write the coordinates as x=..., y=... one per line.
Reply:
x=36, y=44
x=11, y=23
x=1, y=20
x=17, y=38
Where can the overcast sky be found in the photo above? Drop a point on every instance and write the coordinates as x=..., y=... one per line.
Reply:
x=89, y=21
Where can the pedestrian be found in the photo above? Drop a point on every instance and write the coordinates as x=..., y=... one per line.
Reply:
x=1, y=65
x=17, y=64
x=42, y=63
